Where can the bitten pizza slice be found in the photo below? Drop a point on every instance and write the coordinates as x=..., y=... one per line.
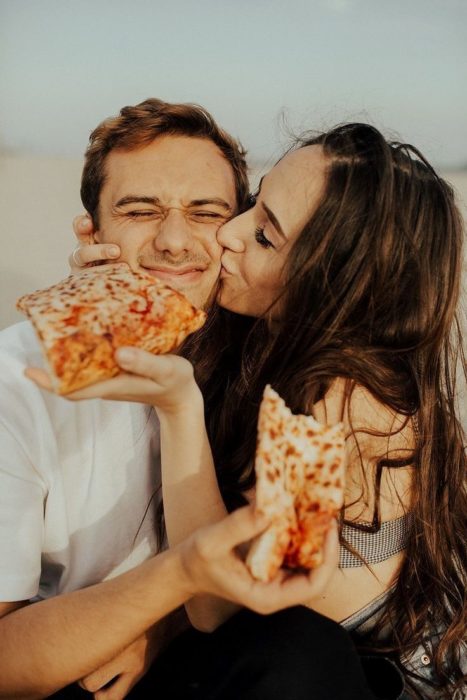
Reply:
x=300, y=467
x=273, y=498
x=82, y=320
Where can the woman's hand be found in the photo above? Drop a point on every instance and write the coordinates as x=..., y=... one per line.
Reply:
x=164, y=381
x=89, y=253
x=212, y=564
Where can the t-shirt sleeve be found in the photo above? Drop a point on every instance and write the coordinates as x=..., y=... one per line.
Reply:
x=21, y=521
x=23, y=483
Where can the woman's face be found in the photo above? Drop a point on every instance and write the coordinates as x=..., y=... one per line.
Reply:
x=256, y=243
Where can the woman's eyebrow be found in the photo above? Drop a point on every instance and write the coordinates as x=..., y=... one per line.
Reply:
x=274, y=221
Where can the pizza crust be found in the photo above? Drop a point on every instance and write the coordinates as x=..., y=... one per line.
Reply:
x=300, y=470
x=82, y=320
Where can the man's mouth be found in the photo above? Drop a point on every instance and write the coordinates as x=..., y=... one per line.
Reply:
x=178, y=275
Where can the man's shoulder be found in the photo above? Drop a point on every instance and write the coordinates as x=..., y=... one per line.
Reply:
x=22, y=401
x=19, y=343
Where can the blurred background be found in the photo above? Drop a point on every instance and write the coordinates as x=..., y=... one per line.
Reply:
x=262, y=67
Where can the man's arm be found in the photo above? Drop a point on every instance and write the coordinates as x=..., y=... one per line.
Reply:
x=49, y=644
x=6, y=608
x=52, y=643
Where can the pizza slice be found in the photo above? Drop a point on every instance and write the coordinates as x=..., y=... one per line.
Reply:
x=300, y=467
x=82, y=320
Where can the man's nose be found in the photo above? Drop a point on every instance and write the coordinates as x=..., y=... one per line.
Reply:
x=174, y=234
x=232, y=234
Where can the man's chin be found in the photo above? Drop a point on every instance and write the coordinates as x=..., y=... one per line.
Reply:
x=194, y=285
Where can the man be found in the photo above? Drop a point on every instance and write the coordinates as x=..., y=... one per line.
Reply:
x=79, y=482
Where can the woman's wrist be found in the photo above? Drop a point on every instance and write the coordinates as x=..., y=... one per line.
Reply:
x=188, y=403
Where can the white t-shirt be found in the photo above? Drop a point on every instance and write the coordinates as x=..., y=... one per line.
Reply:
x=76, y=482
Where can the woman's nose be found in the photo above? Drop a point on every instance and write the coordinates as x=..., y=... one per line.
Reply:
x=231, y=235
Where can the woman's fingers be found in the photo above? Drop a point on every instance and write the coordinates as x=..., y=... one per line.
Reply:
x=83, y=228
x=88, y=252
x=123, y=387
x=39, y=377
x=159, y=368
x=86, y=255
x=147, y=378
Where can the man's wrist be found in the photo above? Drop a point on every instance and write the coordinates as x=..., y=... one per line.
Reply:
x=179, y=582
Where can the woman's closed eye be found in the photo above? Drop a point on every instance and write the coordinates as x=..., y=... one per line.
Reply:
x=261, y=238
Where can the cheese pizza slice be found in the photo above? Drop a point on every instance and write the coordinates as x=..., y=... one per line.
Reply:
x=82, y=320
x=300, y=468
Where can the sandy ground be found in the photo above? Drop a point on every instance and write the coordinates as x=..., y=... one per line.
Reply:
x=38, y=199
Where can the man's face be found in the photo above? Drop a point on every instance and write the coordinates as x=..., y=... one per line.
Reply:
x=163, y=204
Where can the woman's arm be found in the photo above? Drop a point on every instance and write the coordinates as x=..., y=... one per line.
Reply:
x=190, y=490
x=191, y=495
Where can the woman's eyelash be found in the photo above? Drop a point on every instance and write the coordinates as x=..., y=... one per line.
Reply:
x=261, y=238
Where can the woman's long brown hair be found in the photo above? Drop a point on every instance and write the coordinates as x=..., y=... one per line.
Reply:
x=372, y=287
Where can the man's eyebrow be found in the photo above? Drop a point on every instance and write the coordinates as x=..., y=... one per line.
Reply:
x=155, y=201
x=274, y=221
x=211, y=200
x=137, y=199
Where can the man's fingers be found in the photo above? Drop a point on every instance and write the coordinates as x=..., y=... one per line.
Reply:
x=119, y=689
x=288, y=589
x=331, y=547
x=99, y=678
x=318, y=579
x=240, y=526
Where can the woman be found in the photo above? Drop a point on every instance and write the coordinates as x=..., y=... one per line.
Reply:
x=348, y=265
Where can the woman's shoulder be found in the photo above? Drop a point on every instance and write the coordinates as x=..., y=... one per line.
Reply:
x=376, y=436
x=368, y=420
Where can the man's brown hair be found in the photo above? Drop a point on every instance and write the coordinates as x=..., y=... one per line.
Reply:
x=138, y=126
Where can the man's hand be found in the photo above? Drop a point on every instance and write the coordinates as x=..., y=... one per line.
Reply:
x=127, y=668
x=88, y=252
x=212, y=563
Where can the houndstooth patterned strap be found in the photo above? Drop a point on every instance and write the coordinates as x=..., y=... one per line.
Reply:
x=374, y=547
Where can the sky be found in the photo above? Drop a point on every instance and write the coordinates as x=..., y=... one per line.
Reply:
x=262, y=67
